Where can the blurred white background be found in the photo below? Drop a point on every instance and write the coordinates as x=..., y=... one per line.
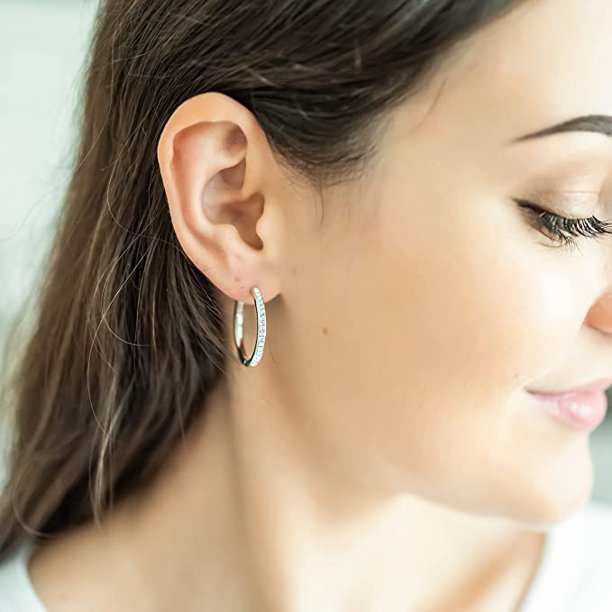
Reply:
x=42, y=46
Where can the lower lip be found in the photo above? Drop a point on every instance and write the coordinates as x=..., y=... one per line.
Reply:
x=582, y=411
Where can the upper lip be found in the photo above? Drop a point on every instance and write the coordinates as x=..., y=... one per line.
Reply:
x=599, y=384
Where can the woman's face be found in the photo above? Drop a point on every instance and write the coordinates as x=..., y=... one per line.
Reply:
x=425, y=303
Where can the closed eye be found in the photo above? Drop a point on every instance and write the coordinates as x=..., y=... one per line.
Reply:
x=564, y=230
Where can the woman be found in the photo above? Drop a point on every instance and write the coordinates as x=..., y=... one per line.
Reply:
x=427, y=256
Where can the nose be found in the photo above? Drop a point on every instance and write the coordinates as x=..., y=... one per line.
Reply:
x=600, y=314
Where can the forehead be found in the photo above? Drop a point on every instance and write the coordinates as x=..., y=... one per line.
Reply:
x=543, y=63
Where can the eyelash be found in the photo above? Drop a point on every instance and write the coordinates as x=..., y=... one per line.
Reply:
x=564, y=229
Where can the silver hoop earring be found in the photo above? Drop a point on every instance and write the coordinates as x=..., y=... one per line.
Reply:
x=260, y=310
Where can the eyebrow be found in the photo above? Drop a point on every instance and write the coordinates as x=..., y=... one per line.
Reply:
x=601, y=124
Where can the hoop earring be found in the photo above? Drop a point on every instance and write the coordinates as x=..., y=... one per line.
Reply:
x=260, y=309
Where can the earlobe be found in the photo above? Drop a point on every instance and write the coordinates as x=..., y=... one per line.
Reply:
x=210, y=156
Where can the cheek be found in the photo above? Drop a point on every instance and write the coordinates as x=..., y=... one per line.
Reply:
x=436, y=312
x=471, y=299
x=449, y=318
x=455, y=317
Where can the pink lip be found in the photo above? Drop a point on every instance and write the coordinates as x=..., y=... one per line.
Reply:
x=581, y=408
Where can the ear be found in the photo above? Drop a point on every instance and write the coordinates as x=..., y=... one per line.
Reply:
x=222, y=184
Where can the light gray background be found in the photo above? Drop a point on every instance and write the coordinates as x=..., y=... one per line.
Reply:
x=42, y=46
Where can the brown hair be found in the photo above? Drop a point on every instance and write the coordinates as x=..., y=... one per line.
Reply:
x=126, y=338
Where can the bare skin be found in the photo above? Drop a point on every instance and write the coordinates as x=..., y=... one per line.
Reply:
x=213, y=574
x=385, y=454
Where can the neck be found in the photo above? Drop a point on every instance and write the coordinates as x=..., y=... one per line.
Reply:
x=254, y=512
